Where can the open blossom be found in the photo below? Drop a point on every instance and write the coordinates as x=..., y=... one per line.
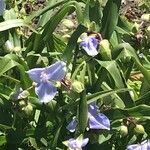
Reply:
x=96, y=120
x=76, y=144
x=44, y=77
x=89, y=44
x=145, y=145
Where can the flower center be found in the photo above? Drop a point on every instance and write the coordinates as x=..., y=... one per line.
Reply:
x=44, y=76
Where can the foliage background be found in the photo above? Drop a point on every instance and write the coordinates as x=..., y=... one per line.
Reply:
x=34, y=34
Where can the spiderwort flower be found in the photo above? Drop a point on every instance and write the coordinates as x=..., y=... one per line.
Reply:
x=76, y=144
x=44, y=77
x=89, y=44
x=145, y=145
x=96, y=120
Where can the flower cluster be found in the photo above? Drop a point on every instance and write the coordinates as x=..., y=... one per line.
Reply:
x=45, y=90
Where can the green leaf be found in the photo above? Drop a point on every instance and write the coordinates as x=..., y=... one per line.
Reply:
x=110, y=17
x=83, y=112
x=111, y=67
x=138, y=111
x=68, y=52
x=8, y=24
x=6, y=64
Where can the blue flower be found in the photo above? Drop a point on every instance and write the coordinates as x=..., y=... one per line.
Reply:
x=2, y=7
x=145, y=145
x=96, y=120
x=44, y=77
x=76, y=144
x=89, y=44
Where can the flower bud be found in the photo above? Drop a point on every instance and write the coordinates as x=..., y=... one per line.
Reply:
x=77, y=86
x=92, y=26
x=145, y=17
x=9, y=46
x=22, y=103
x=105, y=50
x=68, y=23
x=24, y=94
x=139, y=129
x=123, y=130
x=28, y=109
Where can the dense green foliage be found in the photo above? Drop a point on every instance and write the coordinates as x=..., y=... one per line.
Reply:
x=37, y=34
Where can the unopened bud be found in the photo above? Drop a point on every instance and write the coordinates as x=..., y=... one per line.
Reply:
x=92, y=26
x=28, y=109
x=123, y=130
x=9, y=46
x=22, y=103
x=139, y=129
x=17, y=49
x=77, y=86
x=105, y=50
x=68, y=23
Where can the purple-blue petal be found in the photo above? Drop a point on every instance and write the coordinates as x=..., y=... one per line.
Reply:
x=72, y=125
x=35, y=74
x=56, y=71
x=99, y=121
x=145, y=145
x=89, y=44
x=84, y=142
x=45, y=91
x=134, y=147
x=2, y=7
x=75, y=144
x=72, y=143
x=93, y=108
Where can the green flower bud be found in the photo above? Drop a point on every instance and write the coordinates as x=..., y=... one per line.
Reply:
x=68, y=23
x=92, y=26
x=28, y=109
x=77, y=86
x=105, y=50
x=139, y=129
x=9, y=46
x=145, y=17
x=22, y=103
x=123, y=130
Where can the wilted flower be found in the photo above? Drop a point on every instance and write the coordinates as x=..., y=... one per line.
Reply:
x=89, y=44
x=20, y=94
x=96, y=120
x=76, y=144
x=44, y=77
x=145, y=145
